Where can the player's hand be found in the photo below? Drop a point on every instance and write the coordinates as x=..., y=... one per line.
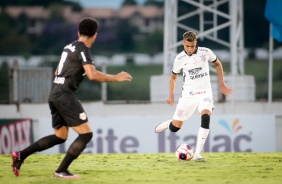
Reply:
x=225, y=90
x=170, y=100
x=123, y=76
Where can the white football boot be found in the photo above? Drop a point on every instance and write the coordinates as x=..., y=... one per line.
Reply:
x=163, y=126
x=198, y=157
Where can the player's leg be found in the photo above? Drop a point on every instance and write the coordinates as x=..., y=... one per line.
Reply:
x=76, y=119
x=171, y=124
x=42, y=144
x=205, y=108
x=84, y=136
x=183, y=111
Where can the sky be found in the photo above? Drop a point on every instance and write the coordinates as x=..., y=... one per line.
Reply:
x=103, y=3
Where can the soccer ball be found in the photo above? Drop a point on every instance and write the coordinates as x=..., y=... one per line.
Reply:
x=184, y=152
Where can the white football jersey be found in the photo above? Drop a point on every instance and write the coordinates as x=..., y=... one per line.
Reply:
x=195, y=69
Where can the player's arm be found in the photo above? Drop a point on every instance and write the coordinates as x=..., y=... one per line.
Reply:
x=219, y=69
x=172, y=84
x=96, y=75
x=56, y=71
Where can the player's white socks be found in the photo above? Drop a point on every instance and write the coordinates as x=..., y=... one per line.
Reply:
x=201, y=139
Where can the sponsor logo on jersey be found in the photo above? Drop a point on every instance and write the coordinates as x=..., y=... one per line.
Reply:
x=194, y=73
x=82, y=116
x=197, y=92
x=198, y=76
x=59, y=80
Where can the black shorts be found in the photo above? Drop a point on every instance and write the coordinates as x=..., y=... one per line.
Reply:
x=67, y=110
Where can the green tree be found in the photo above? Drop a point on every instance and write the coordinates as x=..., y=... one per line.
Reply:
x=125, y=34
x=12, y=35
x=56, y=33
x=129, y=2
x=56, y=12
x=154, y=3
x=14, y=44
x=150, y=43
x=46, y=3
x=22, y=23
x=7, y=24
x=55, y=36
x=155, y=40
x=4, y=83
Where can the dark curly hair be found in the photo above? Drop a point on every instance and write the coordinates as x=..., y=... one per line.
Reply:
x=88, y=26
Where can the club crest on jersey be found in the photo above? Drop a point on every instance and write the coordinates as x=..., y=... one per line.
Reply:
x=203, y=57
x=82, y=116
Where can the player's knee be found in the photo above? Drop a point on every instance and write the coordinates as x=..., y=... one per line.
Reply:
x=173, y=128
x=79, y=144
x=86, y=137
x=60, y=140
x=205, y=121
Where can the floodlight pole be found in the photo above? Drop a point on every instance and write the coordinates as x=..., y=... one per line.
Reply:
x=234, y=21
x=270, y=68
x=170, y=33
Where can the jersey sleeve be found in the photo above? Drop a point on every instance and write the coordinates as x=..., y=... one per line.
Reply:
x=177, y=67
x=212, y=56
x=85, y=56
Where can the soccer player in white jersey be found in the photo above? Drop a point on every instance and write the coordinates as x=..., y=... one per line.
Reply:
x=193, y=62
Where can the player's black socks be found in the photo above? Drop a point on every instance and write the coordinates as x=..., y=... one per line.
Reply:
x=74, y=150
x=205, y=121
x=173, y=128
x=40, y=145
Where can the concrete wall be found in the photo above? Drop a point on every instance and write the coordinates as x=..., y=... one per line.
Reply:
x=99, y=109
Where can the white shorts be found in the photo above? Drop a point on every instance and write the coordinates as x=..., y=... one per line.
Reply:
x=186, y=107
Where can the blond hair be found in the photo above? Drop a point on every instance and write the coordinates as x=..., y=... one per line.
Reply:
x=190, y=36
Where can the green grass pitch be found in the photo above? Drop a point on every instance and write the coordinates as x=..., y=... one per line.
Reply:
x=164, y=168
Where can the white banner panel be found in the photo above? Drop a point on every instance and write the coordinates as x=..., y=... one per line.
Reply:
x=228, y=133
